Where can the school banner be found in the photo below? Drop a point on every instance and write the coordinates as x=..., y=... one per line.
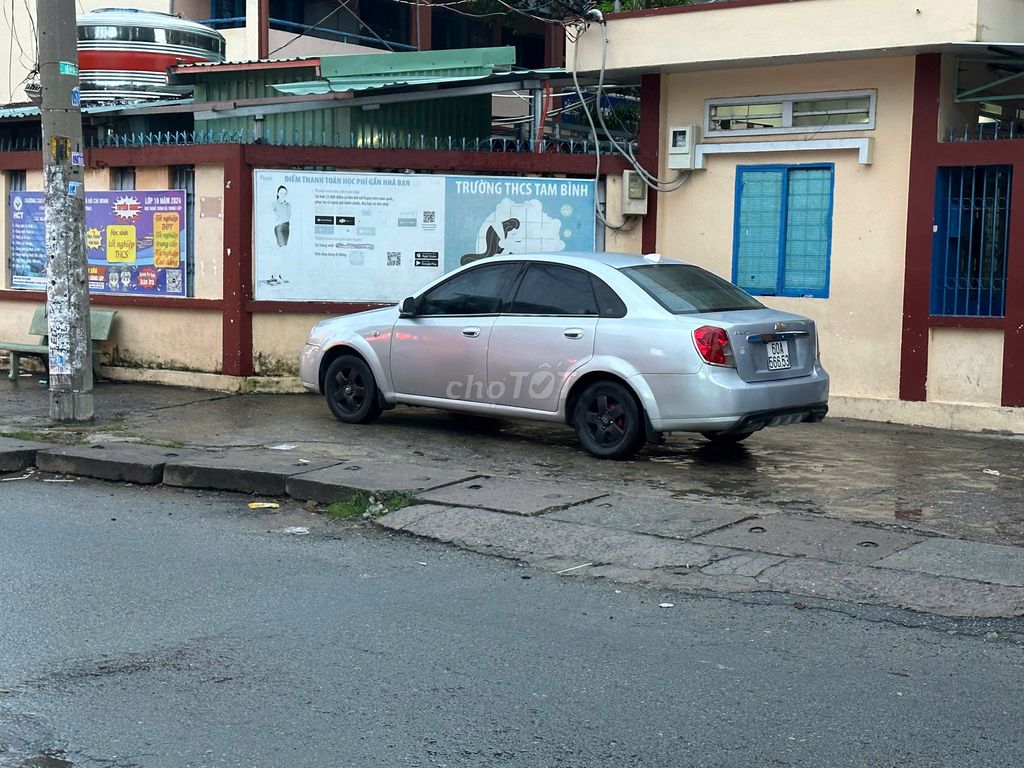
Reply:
x=332, y=236
x=135, y=241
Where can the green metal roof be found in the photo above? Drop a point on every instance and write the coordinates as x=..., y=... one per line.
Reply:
x=21, y=112
x=383, y=70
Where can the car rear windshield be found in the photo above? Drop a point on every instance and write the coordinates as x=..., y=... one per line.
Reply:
x=684, y=289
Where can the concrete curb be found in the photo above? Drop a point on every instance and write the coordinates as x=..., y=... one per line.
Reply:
x=16, y=455
x=141, y=464
x=500, y=516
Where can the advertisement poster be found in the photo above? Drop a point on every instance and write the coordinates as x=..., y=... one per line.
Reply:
x=332, y=236
x=135, y=241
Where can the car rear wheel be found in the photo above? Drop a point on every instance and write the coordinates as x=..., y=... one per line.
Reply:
x=608, y=421
x=719, y=438
x=351, y=391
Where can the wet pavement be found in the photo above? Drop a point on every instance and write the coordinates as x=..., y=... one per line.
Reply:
x=957, y=484
x=901, y=484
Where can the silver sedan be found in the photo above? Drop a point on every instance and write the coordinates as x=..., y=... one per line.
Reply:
x=624, y=348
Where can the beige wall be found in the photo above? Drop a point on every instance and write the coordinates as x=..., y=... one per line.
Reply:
x=152, y=338
x=834, y=28
x=167, y=338
x=626, y=240
x=860, y=322
x=209, y=234
x=958, y=376
x=276, y=341
x=152, y=178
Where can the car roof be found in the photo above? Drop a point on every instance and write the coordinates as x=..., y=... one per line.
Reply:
x=583, y=258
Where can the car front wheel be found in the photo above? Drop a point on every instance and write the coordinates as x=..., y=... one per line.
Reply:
x=608, y=421
x=351, y=390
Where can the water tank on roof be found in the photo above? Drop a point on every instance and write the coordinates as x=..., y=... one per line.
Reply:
x=124, y=53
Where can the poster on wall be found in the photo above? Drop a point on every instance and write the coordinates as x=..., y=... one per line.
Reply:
x=135, y=241
x=333, y=236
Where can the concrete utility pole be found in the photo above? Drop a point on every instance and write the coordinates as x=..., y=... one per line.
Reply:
x=67, y=284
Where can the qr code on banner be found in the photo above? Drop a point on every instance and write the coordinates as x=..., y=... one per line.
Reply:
x=428, y=217
x=173, y=284
x=394, y=258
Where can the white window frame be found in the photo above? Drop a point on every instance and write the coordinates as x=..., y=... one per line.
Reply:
x=788, y=99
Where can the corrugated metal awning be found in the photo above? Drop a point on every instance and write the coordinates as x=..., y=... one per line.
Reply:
x=344, y=74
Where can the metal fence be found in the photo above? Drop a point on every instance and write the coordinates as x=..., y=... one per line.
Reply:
x=381, y=141
x=995, y=131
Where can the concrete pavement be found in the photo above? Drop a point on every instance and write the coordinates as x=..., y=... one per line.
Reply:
x=917, y=519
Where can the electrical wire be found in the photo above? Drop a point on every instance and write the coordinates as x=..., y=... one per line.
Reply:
x=452, y=6
x=364, y=25
x=309, y=29
x=652, y=181
x=597, y=151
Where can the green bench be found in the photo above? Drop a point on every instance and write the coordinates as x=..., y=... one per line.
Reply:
x=100, y=321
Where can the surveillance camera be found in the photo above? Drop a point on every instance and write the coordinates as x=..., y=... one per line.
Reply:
x=594, y=14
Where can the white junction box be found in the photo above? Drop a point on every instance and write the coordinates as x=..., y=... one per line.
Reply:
x=634, y=194
x=682, y=146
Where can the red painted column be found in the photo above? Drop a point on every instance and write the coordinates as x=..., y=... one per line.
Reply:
x=420, y=28
x=237, y=321
x=554, y=45
x=920, y=220
x=648, y=154
x=1013, y=330
x=263, y=29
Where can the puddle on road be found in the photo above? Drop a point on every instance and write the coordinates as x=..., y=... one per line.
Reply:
x=48, y=758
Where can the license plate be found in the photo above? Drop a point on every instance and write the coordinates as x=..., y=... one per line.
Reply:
x=778, y=355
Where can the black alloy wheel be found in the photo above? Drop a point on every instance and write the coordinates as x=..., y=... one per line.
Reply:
x=608, y=421
x=351, y=391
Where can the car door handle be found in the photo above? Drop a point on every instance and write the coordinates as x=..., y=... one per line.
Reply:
x=471, y=332
x=573, y=333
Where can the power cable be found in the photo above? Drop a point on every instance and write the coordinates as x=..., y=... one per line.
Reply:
x=309, y=29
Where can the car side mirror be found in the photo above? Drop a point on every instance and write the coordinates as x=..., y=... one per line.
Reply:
x=408, y=308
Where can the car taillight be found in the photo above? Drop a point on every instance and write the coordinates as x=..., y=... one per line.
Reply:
x=713, y=345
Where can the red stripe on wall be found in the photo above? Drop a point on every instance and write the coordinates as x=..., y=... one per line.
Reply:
x=237, y=321
x=650, y=142
x=1013, y=333
x=920, y=219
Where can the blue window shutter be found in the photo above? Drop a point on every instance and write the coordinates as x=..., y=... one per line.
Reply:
x=808, y=232
x=758, y=229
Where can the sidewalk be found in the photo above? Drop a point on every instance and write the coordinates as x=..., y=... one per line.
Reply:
x=860, y=512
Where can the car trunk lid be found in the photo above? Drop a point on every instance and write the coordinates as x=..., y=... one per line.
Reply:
x=767, y=345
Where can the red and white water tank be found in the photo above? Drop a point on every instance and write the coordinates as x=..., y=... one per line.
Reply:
x=124, y=53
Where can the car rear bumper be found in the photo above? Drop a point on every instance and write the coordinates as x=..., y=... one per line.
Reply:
x=718, y=400
x=755, y=421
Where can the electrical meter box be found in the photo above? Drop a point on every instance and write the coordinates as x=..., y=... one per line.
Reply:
x=634, y=194
x=682, y=146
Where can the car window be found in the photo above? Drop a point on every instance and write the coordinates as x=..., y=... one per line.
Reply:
x=476, y=292
x=686, y=289
x=608, y=301
x=551, y=289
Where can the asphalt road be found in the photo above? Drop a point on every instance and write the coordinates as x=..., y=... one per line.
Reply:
x=151, y=627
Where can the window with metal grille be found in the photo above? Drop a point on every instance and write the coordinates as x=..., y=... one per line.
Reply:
x=790, y=113
x=972, y=224
x=782, y=240
x=184, y=177
x=123, y=178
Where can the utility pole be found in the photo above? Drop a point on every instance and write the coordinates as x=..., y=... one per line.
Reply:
x=67, y=285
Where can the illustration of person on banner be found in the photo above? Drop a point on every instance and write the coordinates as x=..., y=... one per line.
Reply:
x=282, y=216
